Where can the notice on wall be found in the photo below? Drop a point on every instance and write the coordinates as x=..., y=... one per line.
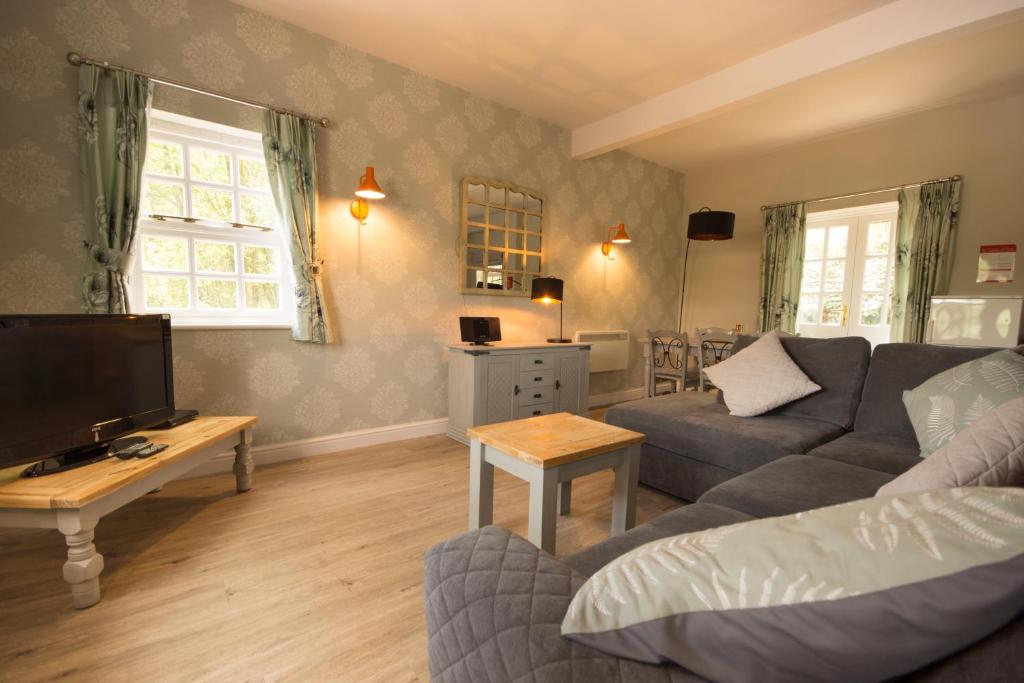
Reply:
x=996, y=262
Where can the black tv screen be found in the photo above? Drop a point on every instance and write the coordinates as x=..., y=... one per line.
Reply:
x=70, y=381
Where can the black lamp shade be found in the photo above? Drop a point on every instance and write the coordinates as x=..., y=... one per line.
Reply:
x=546, y=289
x=711, y=225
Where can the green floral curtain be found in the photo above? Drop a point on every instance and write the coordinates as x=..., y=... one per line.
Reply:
x=782, y=265
x=113, y=116
x=289, y=144
x=925, y=231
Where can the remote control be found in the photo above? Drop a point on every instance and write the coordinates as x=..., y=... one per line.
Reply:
x=131, y=451
x=151, y=449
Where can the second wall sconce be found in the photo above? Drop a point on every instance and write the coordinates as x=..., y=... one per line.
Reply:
x=620, y=237
x=368, y=189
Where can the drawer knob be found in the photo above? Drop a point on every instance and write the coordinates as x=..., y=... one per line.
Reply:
x=538, y=379
x=536, y=412
x=538, y=361
x=538, y=395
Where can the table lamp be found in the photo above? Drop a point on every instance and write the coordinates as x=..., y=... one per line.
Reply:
x=548, y=290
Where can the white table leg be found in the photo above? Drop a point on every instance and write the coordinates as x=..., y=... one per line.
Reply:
x=627, y=473
x=84, y=564
x=543, y=508
x=481, y=487
x=243, y=461
x=564, y=497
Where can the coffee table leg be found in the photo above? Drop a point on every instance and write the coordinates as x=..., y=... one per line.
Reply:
x=564, y=497
x=543, y=508
x=84, y=564
x=481, y=487
x=627, y=473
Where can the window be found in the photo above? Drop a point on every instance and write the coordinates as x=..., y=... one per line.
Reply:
x=849, y=257
x=210, y=249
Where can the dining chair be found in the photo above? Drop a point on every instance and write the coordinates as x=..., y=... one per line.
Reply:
x=670, y=353
x=714, y=345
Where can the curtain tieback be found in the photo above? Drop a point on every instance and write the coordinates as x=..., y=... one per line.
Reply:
x=312, y=269
x=111, y=259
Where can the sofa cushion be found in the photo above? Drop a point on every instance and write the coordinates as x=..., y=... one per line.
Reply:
x=796, y=483
x=838, y=366
x=694, y=425
x=864, y=591
x=688, y=518
x=896, y=368
x=880, y=452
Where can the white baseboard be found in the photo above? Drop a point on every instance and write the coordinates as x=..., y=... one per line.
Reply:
x=323, y=445
x=599, y=400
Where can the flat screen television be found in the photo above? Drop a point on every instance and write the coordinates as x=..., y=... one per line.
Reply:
x=70, y=384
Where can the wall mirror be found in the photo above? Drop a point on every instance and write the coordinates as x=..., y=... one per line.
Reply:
x=502, y=245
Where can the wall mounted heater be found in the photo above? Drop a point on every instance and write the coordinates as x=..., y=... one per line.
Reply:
x=609, y=349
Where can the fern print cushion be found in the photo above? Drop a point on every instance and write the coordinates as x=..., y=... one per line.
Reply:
x=862, y=591
x=946, y=403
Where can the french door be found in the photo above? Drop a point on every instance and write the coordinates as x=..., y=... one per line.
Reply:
x=849, y=255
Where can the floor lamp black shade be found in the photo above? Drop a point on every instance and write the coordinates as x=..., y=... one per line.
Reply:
x=549, y=290
x=707, y=226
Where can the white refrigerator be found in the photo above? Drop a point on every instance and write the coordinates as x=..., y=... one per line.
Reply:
x=976, y=321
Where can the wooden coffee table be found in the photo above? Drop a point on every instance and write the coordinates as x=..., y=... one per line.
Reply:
x=549, y=452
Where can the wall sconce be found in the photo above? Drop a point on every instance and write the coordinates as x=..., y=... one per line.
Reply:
x=368, y=189
x=620, y=237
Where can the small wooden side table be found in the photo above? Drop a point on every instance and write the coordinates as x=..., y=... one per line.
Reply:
x=74, y=501
x=549, y=452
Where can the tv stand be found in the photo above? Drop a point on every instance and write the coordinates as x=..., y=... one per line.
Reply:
x=74, y=501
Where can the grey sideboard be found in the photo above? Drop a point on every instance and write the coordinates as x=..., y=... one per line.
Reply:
x=488, y=384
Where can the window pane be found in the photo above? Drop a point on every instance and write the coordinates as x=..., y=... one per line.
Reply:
x=534, y=204
x=516, y=219
x=814, y=244
x=475, y=213
x=812, y=276
x=215, y=205
x=871, y=309
x=476, y=193
x=807, y=311
x=164, y=253
x=164, y=158
x=262, y=295
x=515, y=240
x=835, y=273
x=217, y=293
x=167, y=199
x=533, y=223
x=874, y=273
x=257, y=210
x=474, y=235
x=832, y=309
x=532, y=243
x=252, y=173
x=837, y=235
x=215, y=257
x=533, y=263
x=496, y=216
x=210, y=166
x=878, y=238
x=474, y=257
x=259, y=260
x=496, y=196
x=163, y=291
x=496, y=238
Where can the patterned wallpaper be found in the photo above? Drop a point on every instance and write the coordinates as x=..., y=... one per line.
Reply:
x=393, y=282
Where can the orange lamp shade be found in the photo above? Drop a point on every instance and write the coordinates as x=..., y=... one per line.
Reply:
x=368, y=187
x=620, y=237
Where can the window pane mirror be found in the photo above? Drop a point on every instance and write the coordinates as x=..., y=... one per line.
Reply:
x=507, y=221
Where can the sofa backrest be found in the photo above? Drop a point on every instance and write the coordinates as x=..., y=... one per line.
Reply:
x=837, y=365
x=896, y=368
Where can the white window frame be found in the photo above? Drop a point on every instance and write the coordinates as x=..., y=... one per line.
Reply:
x=239, y=144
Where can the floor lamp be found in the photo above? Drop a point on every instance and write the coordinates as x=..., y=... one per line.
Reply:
x=707, y=226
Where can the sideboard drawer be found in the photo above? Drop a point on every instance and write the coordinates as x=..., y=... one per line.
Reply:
x=528, y=362
x=535, y=410
x=532, y=395
x=538, y=378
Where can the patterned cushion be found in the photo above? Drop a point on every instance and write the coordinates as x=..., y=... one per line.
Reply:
x=988, y=452
x=879, y=586
x=946, y=403
x=760, y=377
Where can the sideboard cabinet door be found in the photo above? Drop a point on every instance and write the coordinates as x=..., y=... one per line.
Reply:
x=502, y=372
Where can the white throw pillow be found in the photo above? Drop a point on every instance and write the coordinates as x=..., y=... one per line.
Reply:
x=759, y=378
x=987, y=452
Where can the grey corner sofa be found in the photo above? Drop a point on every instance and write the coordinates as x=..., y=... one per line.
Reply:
x=495, y=602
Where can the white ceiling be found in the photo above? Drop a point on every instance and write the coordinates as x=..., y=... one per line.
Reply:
x=576, y=62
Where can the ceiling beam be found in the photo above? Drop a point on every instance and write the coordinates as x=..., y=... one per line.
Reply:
x=885, y=28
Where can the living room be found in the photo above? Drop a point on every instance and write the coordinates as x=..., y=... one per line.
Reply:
x=323, y=211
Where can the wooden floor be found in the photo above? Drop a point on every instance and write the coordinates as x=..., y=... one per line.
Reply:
x=313, y=575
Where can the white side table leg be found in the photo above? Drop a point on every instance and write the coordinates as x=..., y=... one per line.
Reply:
x=543, y=508
x=243, y=461
x=481, y=487
x=84, y=564
x=627, y=473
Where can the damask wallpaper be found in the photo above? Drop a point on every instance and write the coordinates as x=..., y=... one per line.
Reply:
x=392, y=283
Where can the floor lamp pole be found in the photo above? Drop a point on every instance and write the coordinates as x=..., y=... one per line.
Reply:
x=682, y=284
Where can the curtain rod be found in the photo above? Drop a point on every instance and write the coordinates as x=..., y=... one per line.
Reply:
x=860, y=194
x=76, y=59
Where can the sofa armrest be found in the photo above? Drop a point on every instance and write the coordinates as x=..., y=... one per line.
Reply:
x=495, y=604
